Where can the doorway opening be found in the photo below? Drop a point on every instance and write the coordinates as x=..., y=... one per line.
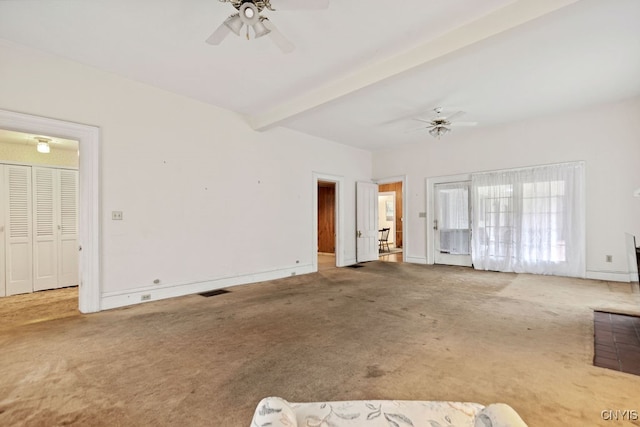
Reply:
x=87, y=245
x=328, y=240
x=326, y=225
x=390, y=221
x=38, y=224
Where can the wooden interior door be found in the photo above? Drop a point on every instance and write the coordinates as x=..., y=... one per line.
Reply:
x=326, y=217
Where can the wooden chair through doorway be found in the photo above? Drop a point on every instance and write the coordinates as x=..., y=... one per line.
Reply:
x=384, y=240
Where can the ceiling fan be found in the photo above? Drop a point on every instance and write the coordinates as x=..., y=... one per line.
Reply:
x=441, y=123
x=249, y=14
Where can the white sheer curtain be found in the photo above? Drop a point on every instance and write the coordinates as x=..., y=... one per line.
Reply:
x=453, y=214
x=530, y=220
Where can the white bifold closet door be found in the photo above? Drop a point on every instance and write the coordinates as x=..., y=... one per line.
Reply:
x=38, y=229
x=55, y=216
x=68, y=232
x=18, y=233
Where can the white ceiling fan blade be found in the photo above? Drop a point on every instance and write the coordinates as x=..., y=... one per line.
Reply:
x=415, y=130
x=448, y=117
x=219, y=34
x=425, y=128
x=422, y=120
x=276, y=36
x=300, y=4
x=462, y=124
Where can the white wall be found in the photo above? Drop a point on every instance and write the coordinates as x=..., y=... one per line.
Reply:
x=606, y=137
x=203, y=196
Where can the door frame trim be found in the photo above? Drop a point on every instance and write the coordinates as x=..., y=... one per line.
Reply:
x=339, y=218
x=430, y=208
x=88, y=137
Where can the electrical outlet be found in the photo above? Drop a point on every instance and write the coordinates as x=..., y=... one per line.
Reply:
x=145, y=297
x=116, y=215
x=609, y=258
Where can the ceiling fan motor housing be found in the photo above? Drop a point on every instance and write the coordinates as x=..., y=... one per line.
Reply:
x=258, y=4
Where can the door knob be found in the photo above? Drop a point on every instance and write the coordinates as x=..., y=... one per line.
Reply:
x=359, y=233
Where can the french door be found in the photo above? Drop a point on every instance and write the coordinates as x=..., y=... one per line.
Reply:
x=452, y=225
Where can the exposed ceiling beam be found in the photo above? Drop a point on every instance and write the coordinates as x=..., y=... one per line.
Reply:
x=503, y=19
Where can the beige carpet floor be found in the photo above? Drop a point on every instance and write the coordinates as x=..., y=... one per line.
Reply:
x=384, y=331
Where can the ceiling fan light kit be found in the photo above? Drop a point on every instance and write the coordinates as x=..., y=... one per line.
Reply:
x=249, y=15
x=260, y=29
x=440, y=125
x=234, y=23
x=438, y=131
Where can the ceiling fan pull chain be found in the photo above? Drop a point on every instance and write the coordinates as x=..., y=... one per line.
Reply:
x=247, y=32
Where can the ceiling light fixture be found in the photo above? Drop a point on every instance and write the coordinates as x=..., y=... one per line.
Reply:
x=43, y=145
x=260, y=29
x=438, y=131
x=234, y=23
x=249, y=14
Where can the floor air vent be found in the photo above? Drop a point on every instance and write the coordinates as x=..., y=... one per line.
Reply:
x=214, y=293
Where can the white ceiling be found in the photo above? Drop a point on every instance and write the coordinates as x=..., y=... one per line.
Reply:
x=361, y=70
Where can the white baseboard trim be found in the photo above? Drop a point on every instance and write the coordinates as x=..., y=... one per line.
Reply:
x=416, y=260
x=117, y=299
x=611, y=276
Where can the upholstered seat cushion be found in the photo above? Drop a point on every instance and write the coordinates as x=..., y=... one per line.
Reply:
x=277, y=412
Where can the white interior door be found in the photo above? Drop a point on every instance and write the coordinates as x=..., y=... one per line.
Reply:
x=68, y=228
x=18, y=234
x=45, y=240
x=452, y=225
x=366, y=221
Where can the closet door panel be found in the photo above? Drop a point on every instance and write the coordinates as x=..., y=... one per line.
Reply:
x=68, y=238
x=18, y=229
x=45, y=263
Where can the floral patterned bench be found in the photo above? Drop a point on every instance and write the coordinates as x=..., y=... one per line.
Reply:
x=277, y=412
